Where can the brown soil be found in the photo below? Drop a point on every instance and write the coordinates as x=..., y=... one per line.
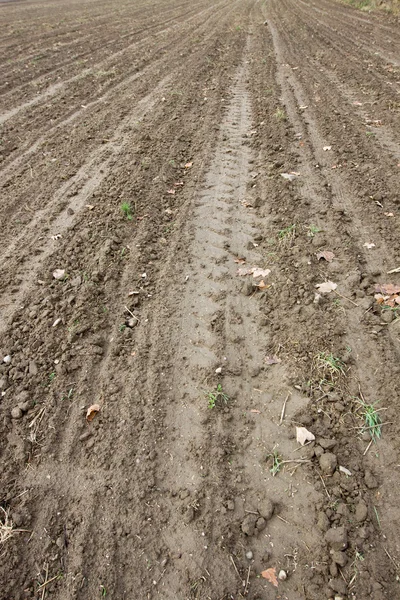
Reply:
x=191, y=113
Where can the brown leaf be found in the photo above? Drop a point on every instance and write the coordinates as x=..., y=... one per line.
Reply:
x=92, y=412
x=272, y=360
x=326, y=254
x=262, y=285
x=387, y=289
x=270, y=575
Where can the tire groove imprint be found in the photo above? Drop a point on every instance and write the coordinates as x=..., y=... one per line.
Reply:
x=218, y=327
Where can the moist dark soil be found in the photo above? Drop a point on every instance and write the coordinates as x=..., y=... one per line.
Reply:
x=177, y=180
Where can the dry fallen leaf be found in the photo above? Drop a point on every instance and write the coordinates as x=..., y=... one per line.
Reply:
x=260, y=272
x=369, y=245
x=303, y=435
x=272, y=360
x=289, y=176
x=389, y=214
x=255, y=271
x=270, y=575
x=387, y=289
x=326, y=287
x=92, y=412
x=262, y=285
x=326, y=254
x=59, y=274
x=240, y=261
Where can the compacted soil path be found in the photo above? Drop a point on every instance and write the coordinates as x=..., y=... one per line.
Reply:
x=177, y=180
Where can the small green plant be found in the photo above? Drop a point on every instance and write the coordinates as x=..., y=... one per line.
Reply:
x=330, y=364
x=277, y=462
x=312, y=230
x=217, y=398
x=127, y=210
x=372, y=419
x=103, y=591
x=122, y=327
x=370, y=134
x=52, y=376
x=280, y=114
x=287, y=233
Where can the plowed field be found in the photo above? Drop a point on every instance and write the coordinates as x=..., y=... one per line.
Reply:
x=177, y=180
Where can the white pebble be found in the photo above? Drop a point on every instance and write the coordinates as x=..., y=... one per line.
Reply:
x=7, y=359
x=219, y=370
x=249, y=555
x=282, y=575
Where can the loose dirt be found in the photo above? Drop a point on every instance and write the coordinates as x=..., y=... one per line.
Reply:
x=241, y=136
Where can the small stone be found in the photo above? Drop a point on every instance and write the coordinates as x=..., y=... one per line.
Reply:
x=230, y=505
x=361, y=511
x=337, y=539
x=16, y=413
x=328, y=463
x=132, y=322
x=249, y=555
x=218, y=370
x=339, y=558
x=387, y=316
x=327, y=444
x=370, y=481
x=190, y=514
x=249, y=524
x=7, y=359
x=25, y=406
x=282, y=575
x=33, y=370
x=323, y=522
x=268, y=509
x=261, y=524
x=338, y=585
x=247, y=288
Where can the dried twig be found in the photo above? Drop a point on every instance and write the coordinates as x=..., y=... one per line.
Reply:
x=367, y=448
x=325, y=488
x=345, y=298
x=233, y=562
x=246, y=589
x=283, y=408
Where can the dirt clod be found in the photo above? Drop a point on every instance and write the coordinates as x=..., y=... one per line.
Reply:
x=337, y=538
x=328, y=463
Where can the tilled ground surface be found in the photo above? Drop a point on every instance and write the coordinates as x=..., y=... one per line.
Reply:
x=191, y=113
